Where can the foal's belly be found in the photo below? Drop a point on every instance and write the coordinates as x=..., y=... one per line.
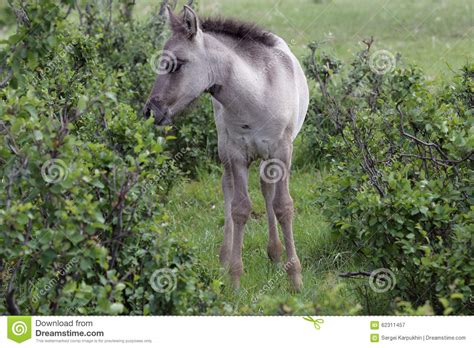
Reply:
x=255, y=146
x=256, y=137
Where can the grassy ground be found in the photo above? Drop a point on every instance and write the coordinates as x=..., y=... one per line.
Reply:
x=196, y=214
x=435, y=34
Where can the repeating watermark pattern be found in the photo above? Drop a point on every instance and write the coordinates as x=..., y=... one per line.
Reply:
x=382, y=62
x=272, y=63
x=273, y=171
x=175, y=159
x=54, y=171
x=60, y=274
x=382, y=280
x=272, y=282
x=163, y=62
x=55, y=63
x=164, y=280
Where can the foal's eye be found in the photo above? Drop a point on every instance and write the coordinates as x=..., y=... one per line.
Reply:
x=177, y=64
x=176, y=67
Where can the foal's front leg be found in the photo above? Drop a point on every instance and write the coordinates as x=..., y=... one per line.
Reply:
x=227, y=189
x=240, y=209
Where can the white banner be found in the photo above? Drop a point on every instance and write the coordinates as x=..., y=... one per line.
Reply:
x=387, y=331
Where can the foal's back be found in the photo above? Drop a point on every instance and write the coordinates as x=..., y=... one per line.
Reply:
x=300, y=85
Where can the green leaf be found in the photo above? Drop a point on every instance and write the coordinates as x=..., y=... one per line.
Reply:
x=38, y=135
x=423, y=210
x=70, y=287
x=82, y=103
x=116, y=308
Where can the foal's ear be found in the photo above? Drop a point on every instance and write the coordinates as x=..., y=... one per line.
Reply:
x=190, y=21
x=175, y=22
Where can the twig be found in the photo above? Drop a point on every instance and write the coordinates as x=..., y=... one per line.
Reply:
x=368, y=42
x=79, y=12
x=415, y=139
x=354, y=274
x=4, y=82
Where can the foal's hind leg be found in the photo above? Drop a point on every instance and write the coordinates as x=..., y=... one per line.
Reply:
x=227, y=189
x=283, y=206
x=274, y=245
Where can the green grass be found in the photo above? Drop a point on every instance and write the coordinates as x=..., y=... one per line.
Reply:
x=196, y=214
x=434, y=34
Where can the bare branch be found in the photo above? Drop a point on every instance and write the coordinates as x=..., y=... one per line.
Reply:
x=354, y=274
x=415, y=139
x=368, y=42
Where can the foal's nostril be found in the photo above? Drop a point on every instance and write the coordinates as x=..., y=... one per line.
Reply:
x=150, y=106
x=160, y=114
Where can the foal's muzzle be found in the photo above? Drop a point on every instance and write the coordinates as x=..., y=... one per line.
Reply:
x=162, y=117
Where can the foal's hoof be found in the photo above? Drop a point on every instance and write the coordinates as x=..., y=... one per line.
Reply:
x=235, y=283
x=297, y=281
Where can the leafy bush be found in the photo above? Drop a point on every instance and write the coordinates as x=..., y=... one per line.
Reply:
x=195, y=146
x=82, y=174
x=400, y=188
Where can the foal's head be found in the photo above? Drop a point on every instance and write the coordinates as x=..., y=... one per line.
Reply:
x=183, y=69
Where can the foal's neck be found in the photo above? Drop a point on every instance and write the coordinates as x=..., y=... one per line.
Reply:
x=234, y=81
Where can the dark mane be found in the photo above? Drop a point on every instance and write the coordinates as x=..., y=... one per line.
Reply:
x=239, y=30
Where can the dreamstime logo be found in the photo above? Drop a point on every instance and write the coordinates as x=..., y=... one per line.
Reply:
x=382, y=62
x=273, y=170
x=19, y=328
x=54, y=171
x=382, y=280
x=163, y=62
x=163, y=280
